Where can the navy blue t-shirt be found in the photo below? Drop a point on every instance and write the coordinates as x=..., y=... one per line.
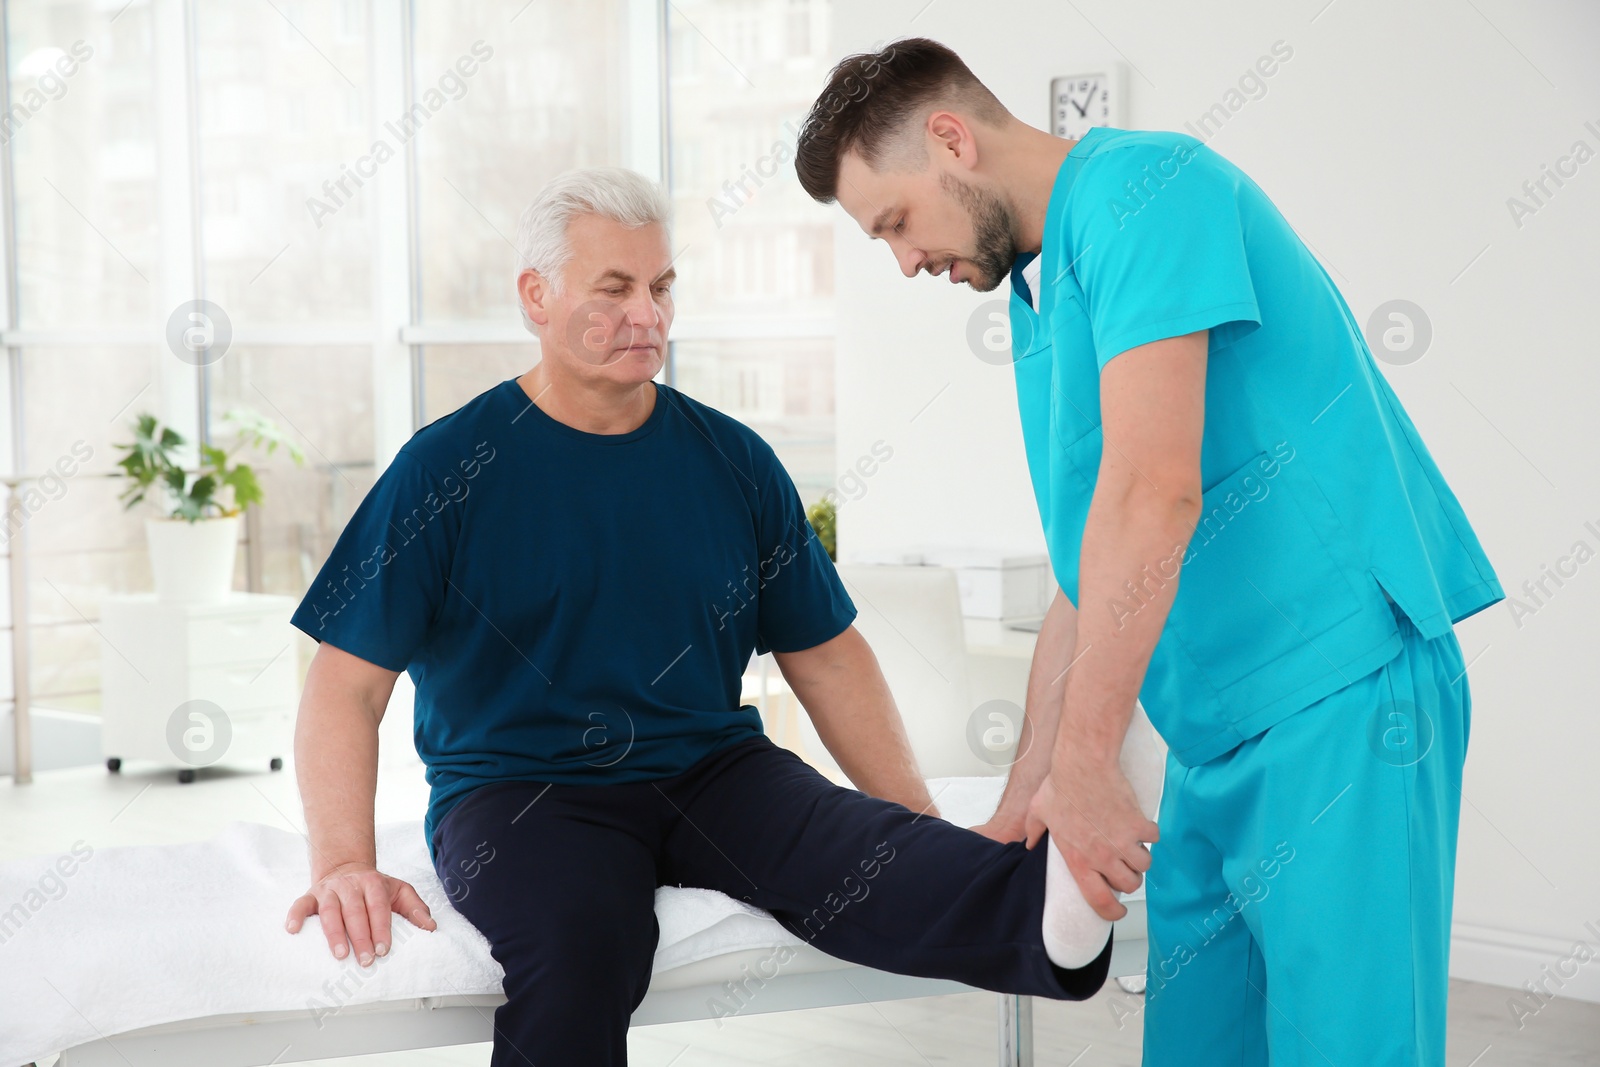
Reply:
x=575, y=607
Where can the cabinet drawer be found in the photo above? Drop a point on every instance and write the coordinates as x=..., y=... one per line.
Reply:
x=259, y=738
x=238, y=638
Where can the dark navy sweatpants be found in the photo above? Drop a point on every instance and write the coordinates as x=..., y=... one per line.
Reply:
x=561, y=879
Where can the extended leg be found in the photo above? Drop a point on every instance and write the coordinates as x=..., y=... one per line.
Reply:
x=865, y=879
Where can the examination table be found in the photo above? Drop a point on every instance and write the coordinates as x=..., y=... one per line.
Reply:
x=177, y=955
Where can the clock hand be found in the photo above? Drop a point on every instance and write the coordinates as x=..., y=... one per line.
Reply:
x=1083, y=112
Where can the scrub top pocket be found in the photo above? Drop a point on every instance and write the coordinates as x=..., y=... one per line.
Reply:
x=1253, y=541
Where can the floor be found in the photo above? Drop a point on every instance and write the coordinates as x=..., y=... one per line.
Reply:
x=144, y=805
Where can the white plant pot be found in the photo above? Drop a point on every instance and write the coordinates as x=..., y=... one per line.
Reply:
x=192, y=561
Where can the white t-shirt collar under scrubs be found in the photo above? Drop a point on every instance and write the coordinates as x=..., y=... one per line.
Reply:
x=1030, y=274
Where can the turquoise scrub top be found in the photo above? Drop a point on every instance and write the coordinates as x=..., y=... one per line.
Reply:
x=1321, y=505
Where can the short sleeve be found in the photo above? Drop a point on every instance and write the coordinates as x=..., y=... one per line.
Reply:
x=1160, y=247
x=382, y=585
x=802, y=601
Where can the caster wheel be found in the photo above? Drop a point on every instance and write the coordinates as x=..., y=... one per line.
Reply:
x=113, y=765
x=186, y=776
x=277, y=764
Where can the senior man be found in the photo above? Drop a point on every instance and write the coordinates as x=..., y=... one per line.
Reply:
x=575, y=568
x=1251, y=540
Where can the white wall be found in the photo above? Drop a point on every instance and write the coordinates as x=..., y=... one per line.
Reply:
x=1391, y=140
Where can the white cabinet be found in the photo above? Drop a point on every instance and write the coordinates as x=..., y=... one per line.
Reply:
x=191, y=685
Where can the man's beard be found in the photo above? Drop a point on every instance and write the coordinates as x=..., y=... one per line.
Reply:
x=992, y=231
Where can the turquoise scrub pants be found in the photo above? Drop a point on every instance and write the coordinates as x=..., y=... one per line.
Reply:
x=1299, y=898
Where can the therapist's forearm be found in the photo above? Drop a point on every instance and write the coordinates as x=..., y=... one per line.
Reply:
x=842, y=688
x=1136, y=535
x=1053, y=653
x=336, y=765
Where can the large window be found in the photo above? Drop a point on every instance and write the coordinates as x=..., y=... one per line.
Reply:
x=84, y=227
x=343, y=179
x=81, y=137
x=282, y=109
x=755, y=266
x=83, y=543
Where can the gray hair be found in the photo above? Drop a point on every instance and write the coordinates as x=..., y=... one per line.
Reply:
x=615, y=193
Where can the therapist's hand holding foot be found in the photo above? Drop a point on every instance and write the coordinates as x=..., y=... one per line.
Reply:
x=355, y=901
x=1093, y=817
x=1088, y=798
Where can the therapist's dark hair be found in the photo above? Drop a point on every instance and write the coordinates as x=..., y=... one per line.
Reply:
x=869, y=100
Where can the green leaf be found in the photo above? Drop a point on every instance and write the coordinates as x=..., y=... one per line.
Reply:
x=254, y=429
x=202, y=495
x=246, y=490
x=149, y=459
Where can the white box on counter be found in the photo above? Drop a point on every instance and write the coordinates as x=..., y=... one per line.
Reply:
x=994, y=583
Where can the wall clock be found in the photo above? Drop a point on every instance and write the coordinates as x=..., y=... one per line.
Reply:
x=1093, y=98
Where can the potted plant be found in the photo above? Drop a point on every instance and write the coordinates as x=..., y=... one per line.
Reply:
x=824, y=519
x=192, y=547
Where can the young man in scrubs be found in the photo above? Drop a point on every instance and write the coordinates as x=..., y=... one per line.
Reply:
x=1251, y=539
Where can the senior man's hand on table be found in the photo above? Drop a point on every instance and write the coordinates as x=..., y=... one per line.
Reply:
x=355, y=901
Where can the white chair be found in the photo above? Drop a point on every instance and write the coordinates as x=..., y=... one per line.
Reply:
x=911, y=616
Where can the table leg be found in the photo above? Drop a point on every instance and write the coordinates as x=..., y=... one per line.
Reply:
x=1016, y=1030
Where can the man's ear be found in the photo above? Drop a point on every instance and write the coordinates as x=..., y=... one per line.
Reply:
x=950, y=135
x=534, y=292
